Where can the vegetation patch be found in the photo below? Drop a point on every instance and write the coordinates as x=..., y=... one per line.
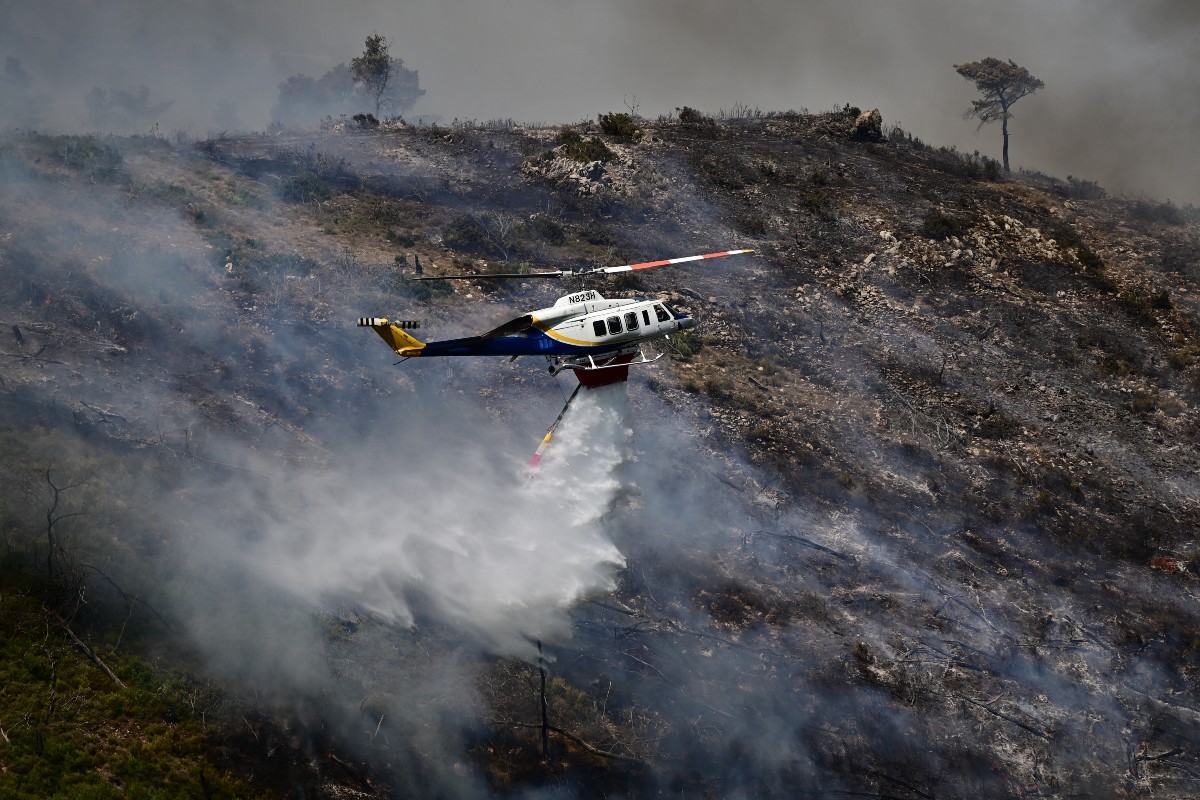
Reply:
x=466, y=234
x=939, y=226
x=619, y=124
x=95, y=157
x=690, y=116
x=1141, y=305
x=277, y=263
x=818, y=201
x=548, y=230
x=1165, y=213
x=402, y=239
x=169, y=193
x=423, y=291
x=726, y=171
x=1083, y=189
x=1093, y=268
x=307, y=187
x=584, y=150
x=71, y=731
x=597, y=233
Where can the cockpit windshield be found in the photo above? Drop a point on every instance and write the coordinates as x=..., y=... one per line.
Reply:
x=661, y=312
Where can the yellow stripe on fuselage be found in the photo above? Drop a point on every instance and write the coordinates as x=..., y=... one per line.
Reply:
x=549, y=331
x=546, y=329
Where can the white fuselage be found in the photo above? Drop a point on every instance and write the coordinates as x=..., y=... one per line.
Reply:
x=588, y=319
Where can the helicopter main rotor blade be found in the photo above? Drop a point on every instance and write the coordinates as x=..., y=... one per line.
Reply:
x=665, y=262
x=486, y=275
x=565, y=273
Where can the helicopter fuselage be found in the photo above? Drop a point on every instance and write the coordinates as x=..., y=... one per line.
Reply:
x=580, y=324
x=596, y=337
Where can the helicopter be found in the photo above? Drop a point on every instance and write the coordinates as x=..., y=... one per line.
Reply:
x=595, y=337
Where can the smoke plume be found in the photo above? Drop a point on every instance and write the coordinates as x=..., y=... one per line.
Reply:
x=405, y=523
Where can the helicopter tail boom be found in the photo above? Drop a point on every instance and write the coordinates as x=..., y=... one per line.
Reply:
x=394, y=333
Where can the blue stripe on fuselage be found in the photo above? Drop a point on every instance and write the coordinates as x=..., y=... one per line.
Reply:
x=531, y=343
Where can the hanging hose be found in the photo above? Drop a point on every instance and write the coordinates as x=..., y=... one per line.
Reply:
x=533, y=462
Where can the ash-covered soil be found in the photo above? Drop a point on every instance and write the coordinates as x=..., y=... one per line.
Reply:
x=912, y=514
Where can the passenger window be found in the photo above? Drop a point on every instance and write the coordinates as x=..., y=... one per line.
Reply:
x=631, y=322
x=646, y=316
x=662, y=314
x=598, y=327
x=614, y=325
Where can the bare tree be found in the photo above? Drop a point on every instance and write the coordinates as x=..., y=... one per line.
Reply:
x=1001, y=84
x=500, y=229
x=53, y=518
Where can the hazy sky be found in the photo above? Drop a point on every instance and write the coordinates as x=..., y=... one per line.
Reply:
x=1120, y=104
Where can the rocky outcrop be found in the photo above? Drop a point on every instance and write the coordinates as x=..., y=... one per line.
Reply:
x=867, y=127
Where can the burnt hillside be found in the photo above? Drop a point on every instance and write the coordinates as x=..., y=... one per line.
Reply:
x=911, y=514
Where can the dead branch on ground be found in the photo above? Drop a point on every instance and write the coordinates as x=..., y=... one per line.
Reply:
x=87, y=651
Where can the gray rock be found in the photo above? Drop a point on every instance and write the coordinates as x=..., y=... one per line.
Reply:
x=868, y=127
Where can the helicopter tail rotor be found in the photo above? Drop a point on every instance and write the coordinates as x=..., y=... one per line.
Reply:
x=394, y=333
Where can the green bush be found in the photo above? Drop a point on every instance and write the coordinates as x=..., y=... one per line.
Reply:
x=549, y=230
x=818, y=200
x=687, y=344
x=304, y=188
x=97, y=159
x=467, y=235
x=618, y=125
x=1167, y=213
x=169, y=193
x=690, y=116
x=727, y=170
x=585, y=151
x=937, y=225
x=1081, y=189
x=1066, y=236
x=597, y=234
x=402, y=239
x=1116, y=366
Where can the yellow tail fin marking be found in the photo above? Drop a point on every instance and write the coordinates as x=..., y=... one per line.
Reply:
x=393, y=333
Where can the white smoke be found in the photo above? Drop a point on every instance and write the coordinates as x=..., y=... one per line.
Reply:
x=499, y=559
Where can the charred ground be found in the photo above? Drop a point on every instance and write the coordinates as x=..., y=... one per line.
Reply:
x=925, y=525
